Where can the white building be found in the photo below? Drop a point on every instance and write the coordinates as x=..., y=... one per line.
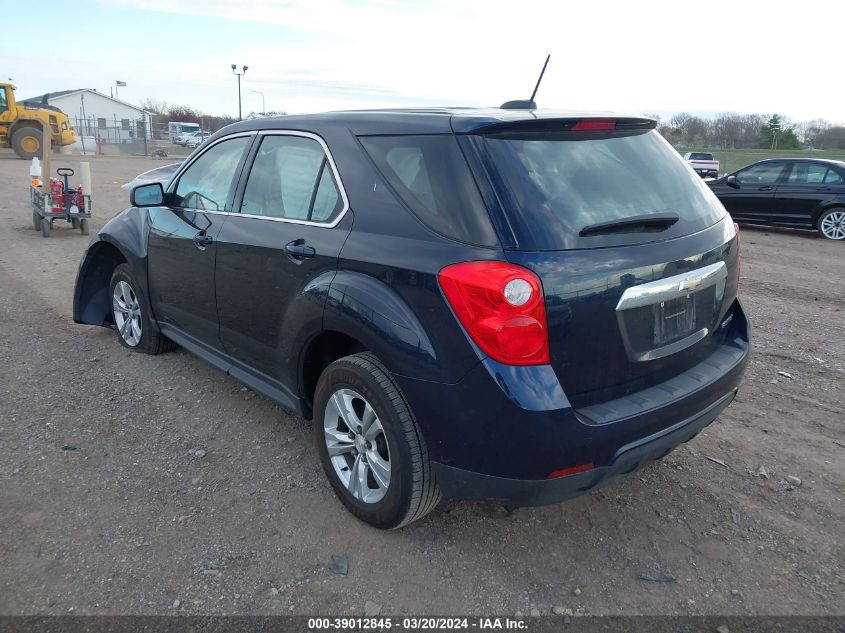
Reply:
x=94, y=114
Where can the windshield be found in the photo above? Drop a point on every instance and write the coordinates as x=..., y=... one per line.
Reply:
x=558, y=183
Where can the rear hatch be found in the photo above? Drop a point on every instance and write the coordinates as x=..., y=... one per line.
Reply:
x=638, y=259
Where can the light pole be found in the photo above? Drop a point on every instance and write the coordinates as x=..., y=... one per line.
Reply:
x=263, y=104
x=243, y=72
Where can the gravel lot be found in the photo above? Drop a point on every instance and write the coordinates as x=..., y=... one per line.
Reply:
x=137, y=484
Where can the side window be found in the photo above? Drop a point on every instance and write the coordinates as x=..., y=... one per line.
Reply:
x=207, y=183
x=763, y=174
x=807, y=174
x=291, y=178
x=409, y=165
x=431, y=176
x=3, y=104
x=833, y=178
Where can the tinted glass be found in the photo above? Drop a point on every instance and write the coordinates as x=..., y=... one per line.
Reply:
x=291, y=178
x=700, y=156
x=207, y=183
x=761, y=174
x=561, y=182
x=833, y=178
x=431, y=176
x=807, y=174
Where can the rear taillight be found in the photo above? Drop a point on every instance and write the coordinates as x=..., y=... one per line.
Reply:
x=594, y=125
x=738, y=256
x=501, y=307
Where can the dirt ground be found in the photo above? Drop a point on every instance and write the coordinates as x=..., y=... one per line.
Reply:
x=105, y=507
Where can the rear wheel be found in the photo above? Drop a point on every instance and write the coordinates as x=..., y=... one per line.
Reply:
x=83, y=227
x=131, y=315
x=45, y=227
x=370, y=446
x=36, y=221
x=832, y=224
x=27, y=142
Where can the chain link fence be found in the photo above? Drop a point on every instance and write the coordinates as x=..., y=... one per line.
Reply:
x=123, y=137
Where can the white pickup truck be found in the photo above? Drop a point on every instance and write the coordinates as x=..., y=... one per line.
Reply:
x=703, y=164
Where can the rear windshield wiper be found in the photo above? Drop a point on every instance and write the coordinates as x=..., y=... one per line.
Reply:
x=650, y=221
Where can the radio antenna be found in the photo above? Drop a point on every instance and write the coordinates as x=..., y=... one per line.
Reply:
x=520, y=104
x=540, y=78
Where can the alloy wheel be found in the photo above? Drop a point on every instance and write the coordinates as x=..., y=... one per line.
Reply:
x=127, y=313
x=357, y=445
x=833, y=225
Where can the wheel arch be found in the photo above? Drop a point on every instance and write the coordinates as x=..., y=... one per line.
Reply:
x=362, y=313
x=369, y=310
x=121, y=240
x=824, y=208
x=320, y=352
x=91, y=302
x=21, y=123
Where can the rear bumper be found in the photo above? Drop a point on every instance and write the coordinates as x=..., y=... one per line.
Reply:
x=456, y=483
x=501, y=431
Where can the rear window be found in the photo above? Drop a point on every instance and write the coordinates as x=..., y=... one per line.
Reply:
x=700, y=156
x=430, y=175
x=558, y=183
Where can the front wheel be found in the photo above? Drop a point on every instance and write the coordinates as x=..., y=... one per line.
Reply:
x=131, y=315
x=832, y=224
x=26, y=142
x=370, y=446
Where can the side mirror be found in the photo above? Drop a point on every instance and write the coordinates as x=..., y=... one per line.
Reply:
x=148, y=195
x=731, y=181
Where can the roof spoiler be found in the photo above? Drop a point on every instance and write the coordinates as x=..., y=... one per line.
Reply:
x=606, y=125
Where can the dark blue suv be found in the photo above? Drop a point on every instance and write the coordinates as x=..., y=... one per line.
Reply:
x=512, y=305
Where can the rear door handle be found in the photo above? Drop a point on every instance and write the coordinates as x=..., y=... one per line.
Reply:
x=766, y=188
x=202, y=239
x=298, y=250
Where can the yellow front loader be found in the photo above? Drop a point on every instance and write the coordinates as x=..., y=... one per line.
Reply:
x=22, y=127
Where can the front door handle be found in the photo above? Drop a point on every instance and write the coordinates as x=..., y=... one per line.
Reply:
x=298, y=250
x=202, y=240
x=766, y=188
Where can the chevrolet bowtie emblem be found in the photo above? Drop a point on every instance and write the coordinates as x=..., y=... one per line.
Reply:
x=690, y=284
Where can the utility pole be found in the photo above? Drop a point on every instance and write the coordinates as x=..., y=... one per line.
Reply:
x=243, y=72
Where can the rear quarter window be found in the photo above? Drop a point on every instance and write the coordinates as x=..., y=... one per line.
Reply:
x=430, y=175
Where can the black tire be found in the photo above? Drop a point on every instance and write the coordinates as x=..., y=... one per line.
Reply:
x=83, y=227
x=823, y=216
x=36, y=221
x=45, y=227
x=21, y=140
x=74, y=223
x=152, y=340
x=413, y=491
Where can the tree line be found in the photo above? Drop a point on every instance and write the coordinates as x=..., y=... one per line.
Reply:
x=163, y=113
x=768, y=131
x=727, y=130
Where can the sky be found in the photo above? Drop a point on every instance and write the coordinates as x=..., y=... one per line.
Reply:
x=651, y=56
